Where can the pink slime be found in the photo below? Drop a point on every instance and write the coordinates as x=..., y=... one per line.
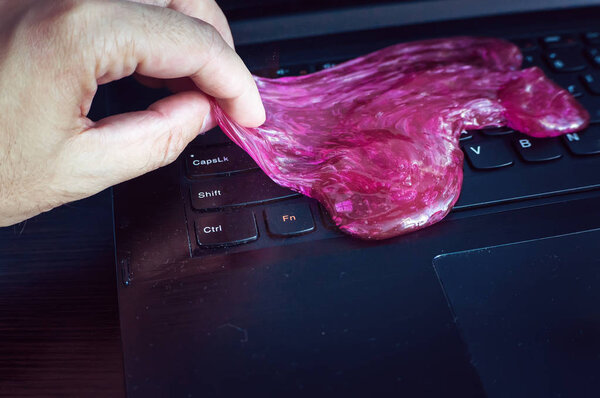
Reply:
x=375, y=139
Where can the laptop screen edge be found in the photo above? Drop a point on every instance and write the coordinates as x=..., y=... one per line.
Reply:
x=260, y=30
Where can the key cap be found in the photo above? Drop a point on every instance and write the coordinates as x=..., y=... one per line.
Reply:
x=283, y=71
x=584, y=143
x=225, y=229
x=532, y=59
x=289, y=219
x=537, y=150
x=592, y=82
x=592, y=105
x=556, y=41
x=327, y=219
x=495, y=131
x=237, y=190
x=567, y=59
x=593, y=54
x=293, y=70
x=327, y=65
x=525, y=44
x=570, y=83
x=217, y=160
x=592, y=38
x=489, y=155
x=465, y=135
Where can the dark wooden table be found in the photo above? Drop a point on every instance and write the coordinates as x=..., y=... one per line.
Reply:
x=59, y=325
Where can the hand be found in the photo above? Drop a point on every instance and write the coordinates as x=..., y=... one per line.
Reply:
x=53, y=56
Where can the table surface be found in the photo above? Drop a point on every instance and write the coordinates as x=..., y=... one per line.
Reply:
x=59, y=322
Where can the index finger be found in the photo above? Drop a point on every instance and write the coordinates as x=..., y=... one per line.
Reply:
x=166, y=44
x=206, y=10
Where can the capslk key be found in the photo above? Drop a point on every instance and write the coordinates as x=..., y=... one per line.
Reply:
x=211, y=161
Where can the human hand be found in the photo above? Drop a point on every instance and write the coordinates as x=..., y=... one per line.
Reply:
x=54, y=55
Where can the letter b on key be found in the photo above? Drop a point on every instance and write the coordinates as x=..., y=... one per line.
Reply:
x=525, y=143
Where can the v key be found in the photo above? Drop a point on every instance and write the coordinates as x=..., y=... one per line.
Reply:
x=489, y=155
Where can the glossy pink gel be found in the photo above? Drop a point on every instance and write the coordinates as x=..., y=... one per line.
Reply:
x=375, y=139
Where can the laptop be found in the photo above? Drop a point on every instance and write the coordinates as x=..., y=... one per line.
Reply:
x=219, y=297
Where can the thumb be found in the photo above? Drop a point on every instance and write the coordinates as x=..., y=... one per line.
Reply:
x=125, y=146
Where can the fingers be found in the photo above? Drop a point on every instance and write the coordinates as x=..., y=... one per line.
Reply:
x=125, y=146
x=206, y=10
x=166, y=44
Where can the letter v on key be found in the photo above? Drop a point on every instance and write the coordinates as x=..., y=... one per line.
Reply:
x=496, y=155
x=476, y=150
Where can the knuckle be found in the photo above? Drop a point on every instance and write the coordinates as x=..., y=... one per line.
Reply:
x=212, y=41
x=65, y=24
x=172, y=145
x=166, y=147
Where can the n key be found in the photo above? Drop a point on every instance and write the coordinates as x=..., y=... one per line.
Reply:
x=489, y=155
x=584, y=143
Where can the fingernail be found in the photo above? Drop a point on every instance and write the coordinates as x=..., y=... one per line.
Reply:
x=208, y=122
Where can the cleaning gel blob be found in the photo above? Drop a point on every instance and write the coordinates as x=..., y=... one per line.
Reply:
x=375, y=139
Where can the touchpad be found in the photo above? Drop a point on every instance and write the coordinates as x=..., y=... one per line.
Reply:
x=530, y=314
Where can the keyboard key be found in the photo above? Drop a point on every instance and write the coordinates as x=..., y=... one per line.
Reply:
x=237, y=190
x=465, y=135
x=293, y=70
x=570, y=83
x=592, y=82
x=217, y=160
x=569, y=59
x=327, y=219
x=289, y=219
x=592, y=38
x=592, y=104
x=532, y=59
x=225, y=229
x=328, y=65
x=495, y=131
x=557, y=41
x=489, y=155
x=283, y=71
x=526, y=44
x=593, y=54
x=537, y=150
x=584, y=143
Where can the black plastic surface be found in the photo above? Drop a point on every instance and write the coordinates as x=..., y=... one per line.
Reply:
x=529, y=314
x=322, y=314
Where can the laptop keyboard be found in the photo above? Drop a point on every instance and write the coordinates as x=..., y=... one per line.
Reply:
x=230, y=202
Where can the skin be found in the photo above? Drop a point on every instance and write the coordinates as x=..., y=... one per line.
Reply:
x=53, y=56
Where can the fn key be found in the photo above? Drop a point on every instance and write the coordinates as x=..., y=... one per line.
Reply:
x=289, y=219
x=225, y=229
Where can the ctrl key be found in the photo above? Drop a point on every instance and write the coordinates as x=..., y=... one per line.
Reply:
x=225, y=229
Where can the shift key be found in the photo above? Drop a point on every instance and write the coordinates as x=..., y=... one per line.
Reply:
x=237, y=190
x=217, y=160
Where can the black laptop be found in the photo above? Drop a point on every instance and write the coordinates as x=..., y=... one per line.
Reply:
x=220, y=298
